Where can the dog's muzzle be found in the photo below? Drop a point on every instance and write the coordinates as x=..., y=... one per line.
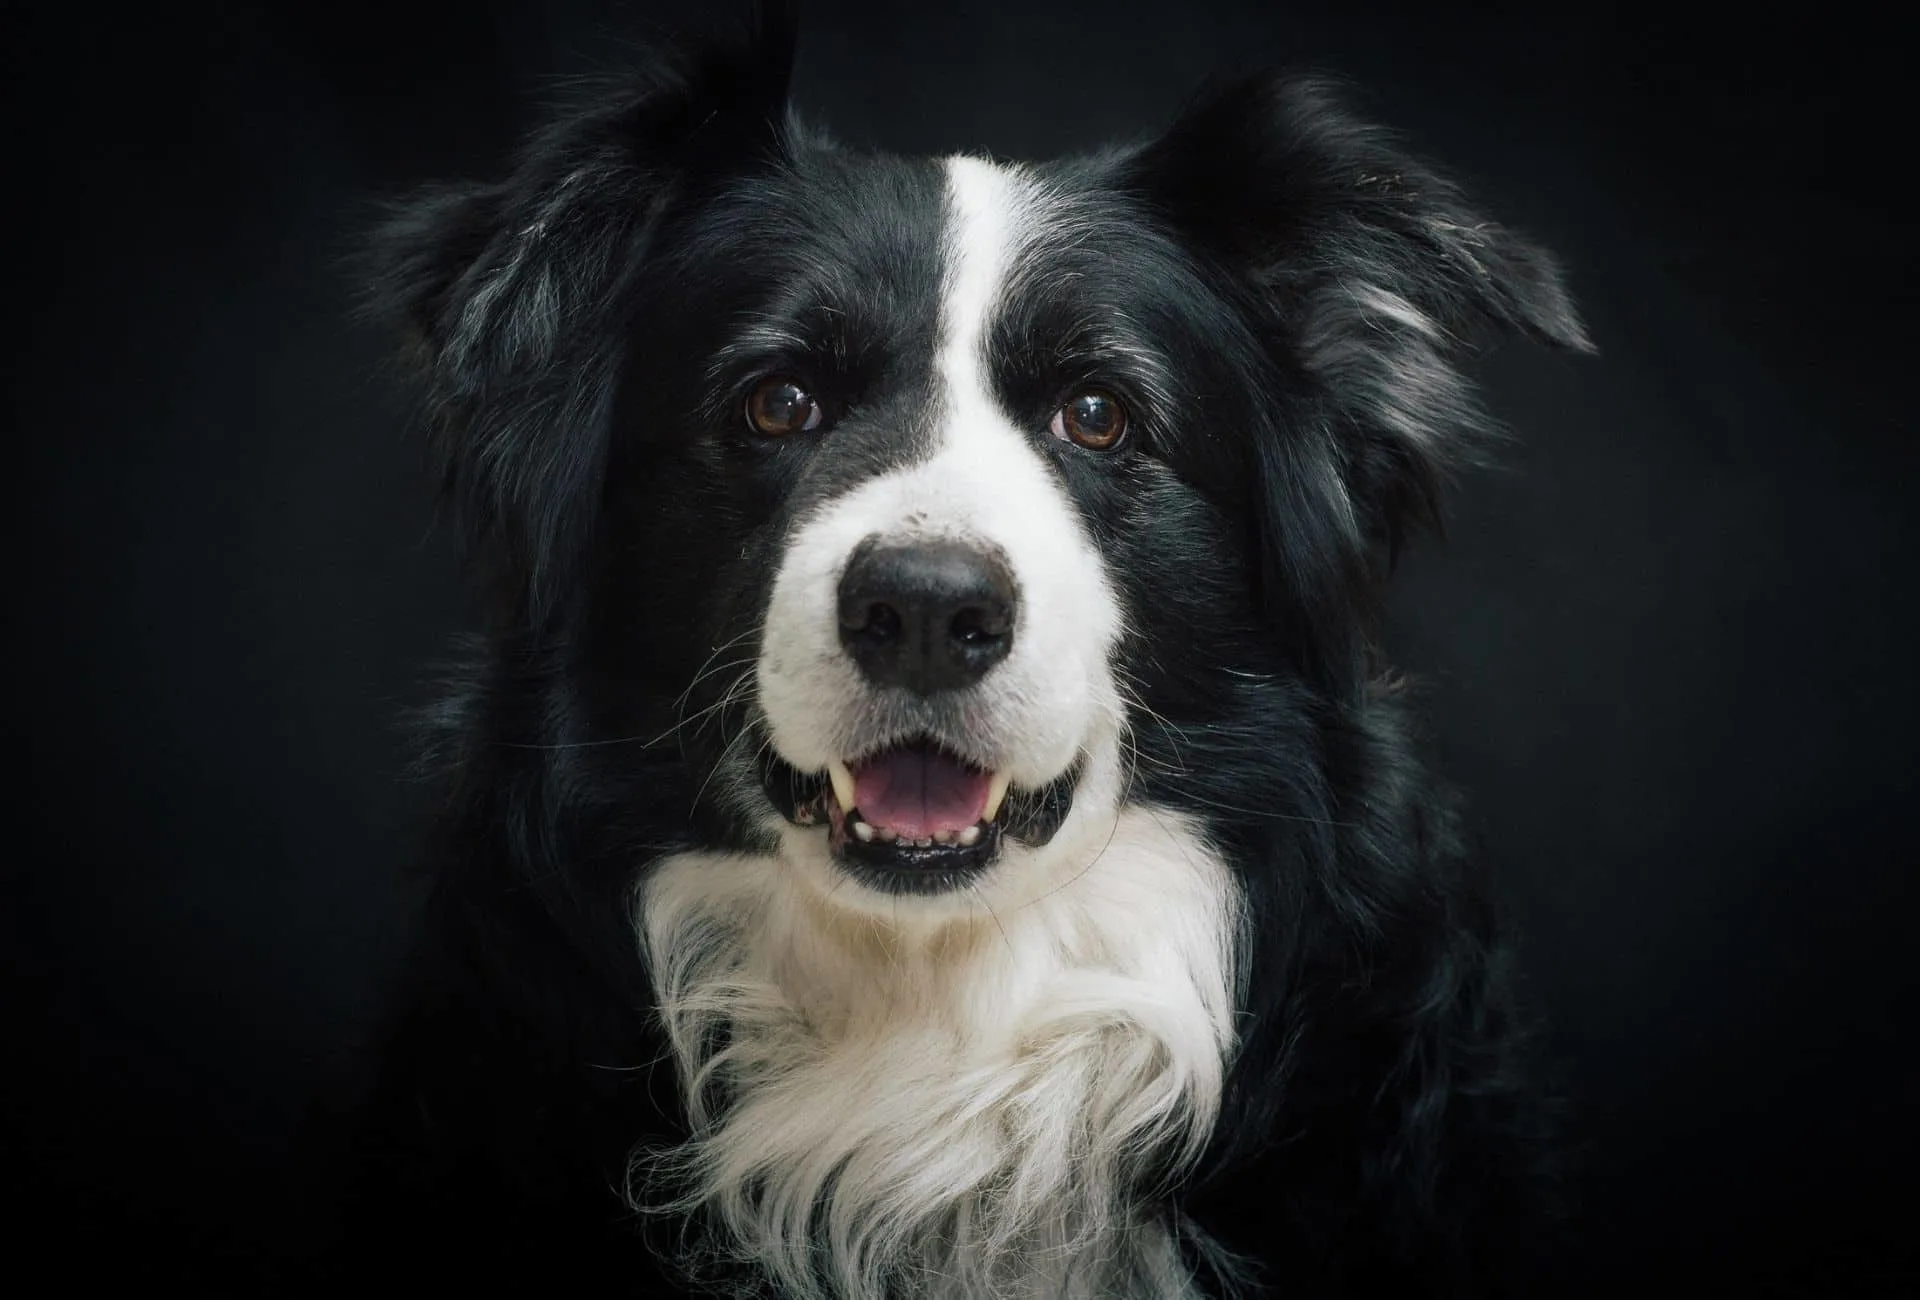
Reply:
x=924, y=622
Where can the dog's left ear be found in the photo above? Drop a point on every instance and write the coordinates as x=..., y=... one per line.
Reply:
x=515, y=295
x=1375, y=277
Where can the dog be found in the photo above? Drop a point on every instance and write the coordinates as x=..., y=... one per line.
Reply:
x=927, y=814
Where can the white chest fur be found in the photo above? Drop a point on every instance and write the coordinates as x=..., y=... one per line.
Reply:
x=951, y=1102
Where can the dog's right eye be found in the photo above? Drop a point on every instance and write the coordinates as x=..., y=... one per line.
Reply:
x=778, y=406
x=1093, y=419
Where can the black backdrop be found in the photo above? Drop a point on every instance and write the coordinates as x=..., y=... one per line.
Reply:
x=1663, y=649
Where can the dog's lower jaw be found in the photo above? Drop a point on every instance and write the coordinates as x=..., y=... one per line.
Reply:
x=949, y=1107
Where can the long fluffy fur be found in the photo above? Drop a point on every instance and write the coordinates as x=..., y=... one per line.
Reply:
x=955, y=1112
x=1263, y=1033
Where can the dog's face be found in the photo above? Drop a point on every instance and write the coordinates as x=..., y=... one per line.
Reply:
x=944, y=410
x=941, y=622
x=931, y=505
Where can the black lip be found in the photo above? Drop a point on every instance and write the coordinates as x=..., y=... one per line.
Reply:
x=898, y=868
x=801, y=797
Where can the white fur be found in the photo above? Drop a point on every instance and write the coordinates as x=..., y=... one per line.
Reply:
x=954, y=1096
x=951, y=1107
x=983, y=482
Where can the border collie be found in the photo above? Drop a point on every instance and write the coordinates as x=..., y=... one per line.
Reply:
x=926, y=816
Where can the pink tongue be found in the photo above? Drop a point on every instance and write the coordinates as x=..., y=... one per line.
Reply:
x=918, y=791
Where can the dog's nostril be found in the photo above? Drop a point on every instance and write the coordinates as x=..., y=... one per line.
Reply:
x=930, y=616
x=881, y=622
x=974, y=626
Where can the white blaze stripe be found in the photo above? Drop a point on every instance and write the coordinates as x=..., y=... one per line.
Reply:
x=986, y=483
x=985, y=205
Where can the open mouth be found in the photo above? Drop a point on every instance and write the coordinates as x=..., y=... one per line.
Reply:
x=916, y=810
x=916, y=818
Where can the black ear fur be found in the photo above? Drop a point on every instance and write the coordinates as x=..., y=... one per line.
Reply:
x=1375, y=277
x=514, y=294
x=1276, y=172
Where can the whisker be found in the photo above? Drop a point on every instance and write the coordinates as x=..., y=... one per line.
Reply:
x=1266, y=814
x=684, y=698
x=700, y=673
x=1112, y=834
x=975, y=891
x=728, y=698
x=732, y=696
x=1131, y=689
x=576, y=744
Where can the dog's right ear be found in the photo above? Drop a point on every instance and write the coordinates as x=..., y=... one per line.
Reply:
x=514, y=294
x=1378, y=277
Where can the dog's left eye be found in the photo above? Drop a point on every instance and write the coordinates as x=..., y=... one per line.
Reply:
x=1093, y=419
x=778, y=406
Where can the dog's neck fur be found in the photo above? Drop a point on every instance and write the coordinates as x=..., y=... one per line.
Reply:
x=962, y=1106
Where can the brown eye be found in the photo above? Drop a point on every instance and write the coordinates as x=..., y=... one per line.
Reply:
x=1094, y=419
x=778, y=406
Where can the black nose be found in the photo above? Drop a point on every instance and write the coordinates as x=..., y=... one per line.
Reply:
x=930, y=616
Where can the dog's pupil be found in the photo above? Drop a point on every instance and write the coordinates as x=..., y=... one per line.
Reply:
x=780, y=406
x=1094, y=418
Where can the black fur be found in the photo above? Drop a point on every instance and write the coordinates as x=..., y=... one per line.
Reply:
x=579, y=327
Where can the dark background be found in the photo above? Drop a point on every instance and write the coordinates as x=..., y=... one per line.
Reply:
x=1664, y=649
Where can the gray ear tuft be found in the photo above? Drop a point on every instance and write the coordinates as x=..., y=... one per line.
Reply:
x=515, y=295
x=1376, y=268
x=1376, y=276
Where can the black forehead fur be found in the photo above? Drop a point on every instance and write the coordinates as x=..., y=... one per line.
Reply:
x=1282, y=295
x=1284, y=298
x=826, y=268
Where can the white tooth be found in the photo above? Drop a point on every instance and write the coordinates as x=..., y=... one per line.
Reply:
x=864, y=832
x=971, y=835
x=996, y=793
x=923, y=844
x=943, y=837
x=888, y=835
x=842, y=783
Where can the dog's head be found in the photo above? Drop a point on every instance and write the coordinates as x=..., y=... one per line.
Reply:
x=915, y=498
